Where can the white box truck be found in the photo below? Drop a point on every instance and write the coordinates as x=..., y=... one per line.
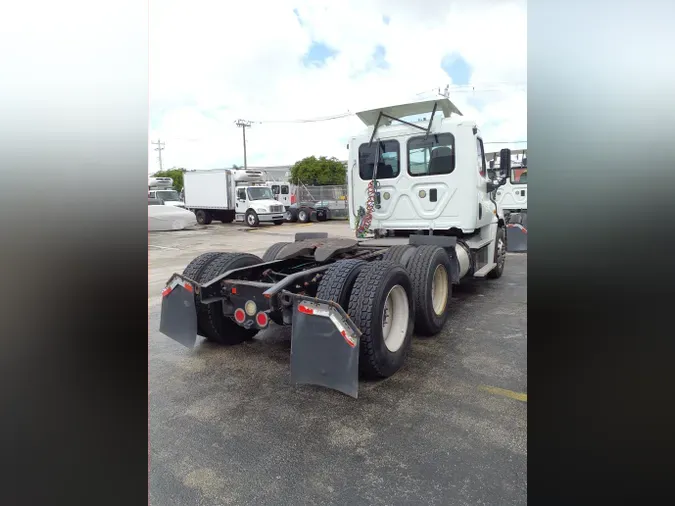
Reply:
x=231, y=195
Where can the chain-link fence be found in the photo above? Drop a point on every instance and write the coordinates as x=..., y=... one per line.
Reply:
x=334, y=197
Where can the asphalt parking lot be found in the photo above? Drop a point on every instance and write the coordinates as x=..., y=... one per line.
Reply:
x=227, y=427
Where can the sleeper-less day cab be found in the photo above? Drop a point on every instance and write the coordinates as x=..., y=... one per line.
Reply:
x=421, y=207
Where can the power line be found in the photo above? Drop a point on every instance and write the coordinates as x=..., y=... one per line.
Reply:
x=159, y=148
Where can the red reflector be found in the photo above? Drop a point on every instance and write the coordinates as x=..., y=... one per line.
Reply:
x=261, y=318
x=239, y=315
x=188, y=287
x=166, y=291
x=234, y=290
x=305, y=309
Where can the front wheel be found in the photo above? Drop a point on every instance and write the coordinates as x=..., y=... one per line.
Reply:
x=500, y=254
x=252, y=219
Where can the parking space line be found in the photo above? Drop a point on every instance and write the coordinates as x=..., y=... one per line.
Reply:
x=506, y=393
x=163, y=247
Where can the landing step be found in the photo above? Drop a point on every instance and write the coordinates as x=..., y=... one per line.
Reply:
x=477, y=243
x=482, y=272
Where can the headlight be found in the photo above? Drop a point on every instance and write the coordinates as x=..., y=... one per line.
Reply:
x=261, y=210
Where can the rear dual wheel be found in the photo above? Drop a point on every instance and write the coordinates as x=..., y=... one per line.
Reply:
x=378, y=298
x=203, y=217
x=211, y=322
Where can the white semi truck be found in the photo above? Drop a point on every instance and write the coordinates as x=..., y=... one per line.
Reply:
x=231, y=195
x=512, y=197
x=421, y=193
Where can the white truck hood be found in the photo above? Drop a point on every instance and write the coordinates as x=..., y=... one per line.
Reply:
x=266, y=203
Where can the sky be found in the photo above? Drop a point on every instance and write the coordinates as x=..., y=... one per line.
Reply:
x=275, y=61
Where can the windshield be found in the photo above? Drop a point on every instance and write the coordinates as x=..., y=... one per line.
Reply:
x=519, y=175
x=260, y=193
x=168, y=195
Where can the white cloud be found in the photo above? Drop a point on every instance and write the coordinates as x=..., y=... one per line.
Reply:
x=212, y=62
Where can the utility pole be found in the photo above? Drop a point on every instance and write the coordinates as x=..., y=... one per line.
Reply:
x=159, y=148
x=244, y=124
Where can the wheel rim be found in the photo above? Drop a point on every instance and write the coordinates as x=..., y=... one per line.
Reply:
x=302, y=215
x=439, y=290
x=501, y=253
x=251, y=219
x=395, y=315
x=287, y=216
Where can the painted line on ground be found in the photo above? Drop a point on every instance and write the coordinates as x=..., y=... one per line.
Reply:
x=163, y=247
x=505, y=393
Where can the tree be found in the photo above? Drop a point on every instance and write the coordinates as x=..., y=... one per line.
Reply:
x=319, y=171
x=176, y=174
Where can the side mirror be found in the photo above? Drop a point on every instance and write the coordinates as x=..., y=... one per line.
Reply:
x=505, y=160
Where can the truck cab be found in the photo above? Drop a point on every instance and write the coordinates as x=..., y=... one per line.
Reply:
x=282, y=192
x=167, y=196
x=255, y=204
x=431, y=174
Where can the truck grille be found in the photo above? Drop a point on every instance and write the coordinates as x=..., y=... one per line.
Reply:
x=277, y=209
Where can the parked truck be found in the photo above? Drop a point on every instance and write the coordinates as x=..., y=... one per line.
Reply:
x=512, y=197
x=422, y=210
x=231, y=195
x=160, y=190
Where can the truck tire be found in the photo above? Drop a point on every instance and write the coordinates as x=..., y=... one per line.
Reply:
x=193, y=271
x=338, y=281
x=203, y=217
x=429, y=270
x=217, y=327
x=400, y=254
x=381, y=306
x=279, y=222
x=252, y=219
x=273, y=251
x=291, y=217
x=304, y=216
x=500, y=254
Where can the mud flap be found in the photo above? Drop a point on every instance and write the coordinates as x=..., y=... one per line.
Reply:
x=179, y=316
x=516, y=233
x=324, y=347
